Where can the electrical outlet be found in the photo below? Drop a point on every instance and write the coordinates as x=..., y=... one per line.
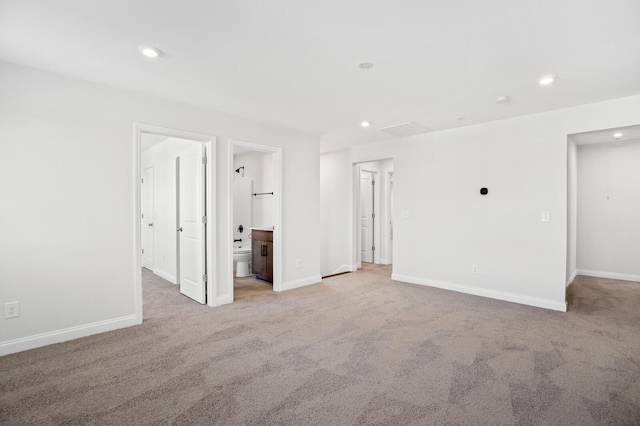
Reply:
x=11, y=310
x=475, y=270
x=405, y=214
x=298, y=263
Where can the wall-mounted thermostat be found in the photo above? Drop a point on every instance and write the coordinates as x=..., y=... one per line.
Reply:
x=484, y=191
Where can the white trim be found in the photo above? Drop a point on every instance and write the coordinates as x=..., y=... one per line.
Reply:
x=223, y=300
x=58, y=336
x=344, y=268
x=210, y=142
x=277, y=214
x=355, y=217
x=290, y=285
x=492, y=294
x=572, y=277
x=608, y=275
x=165, y=275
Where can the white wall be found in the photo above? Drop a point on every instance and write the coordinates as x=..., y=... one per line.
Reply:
x=163, y=159
x=242, y=212
x=572, y=209
x=259, y=167
x=67, y=185
x=437, y=178
x=335, y=212
x=609, y=210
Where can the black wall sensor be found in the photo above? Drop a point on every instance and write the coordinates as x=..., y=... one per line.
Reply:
x=484, y=191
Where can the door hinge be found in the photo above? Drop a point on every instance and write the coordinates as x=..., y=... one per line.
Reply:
x=204, y=219
x=204, y=160
x=204, y=278
x=142, y=251
x=373, y=248
x=373, y=183
x=373, y=215
x=143, y=215
x=142, y=180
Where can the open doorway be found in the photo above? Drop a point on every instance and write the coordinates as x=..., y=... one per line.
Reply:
x=603, y=220
x=372, y=212
x=175, y=211
x=255, y=194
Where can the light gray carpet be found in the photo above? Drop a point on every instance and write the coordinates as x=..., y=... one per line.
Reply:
x=356, y=349
x=249, y=286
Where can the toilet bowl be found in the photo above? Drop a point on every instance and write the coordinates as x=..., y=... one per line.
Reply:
x=242, y=257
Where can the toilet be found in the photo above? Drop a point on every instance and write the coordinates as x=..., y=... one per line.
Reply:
x=242, y=257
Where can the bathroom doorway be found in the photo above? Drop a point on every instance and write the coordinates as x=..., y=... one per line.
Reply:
x=175, y=205
x=255, y=221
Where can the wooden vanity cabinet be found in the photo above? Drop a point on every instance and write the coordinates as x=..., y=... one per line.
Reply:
x=262, y=254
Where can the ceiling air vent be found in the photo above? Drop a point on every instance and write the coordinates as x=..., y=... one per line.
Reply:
x=405, y=129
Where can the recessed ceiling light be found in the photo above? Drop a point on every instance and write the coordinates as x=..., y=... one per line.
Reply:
x=618, y=135
x=365, y=65
x=365, y=124
x=502, y=99
x=149, y=51
x=459, y=118
x=546, y=80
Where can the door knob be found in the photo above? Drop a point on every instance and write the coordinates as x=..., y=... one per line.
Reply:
x=151, y=224
x=179, y=229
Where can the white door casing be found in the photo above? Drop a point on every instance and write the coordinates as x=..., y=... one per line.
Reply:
x=366, y=216
x=390, y=215
x=147, y=218
x=191, y=230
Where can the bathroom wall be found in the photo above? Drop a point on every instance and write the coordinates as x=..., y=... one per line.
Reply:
x=242, y=211
x=258, y=167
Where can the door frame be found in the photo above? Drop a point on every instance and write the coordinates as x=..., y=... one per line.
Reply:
x=277, y=212
x=357, y=253
x=209, y=142
x=388, y=190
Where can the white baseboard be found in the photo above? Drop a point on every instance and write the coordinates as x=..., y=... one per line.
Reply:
x=342, y=269
x=166, y=276
x=58, y=336
x=492, y=294
x=609, y=275
x=572, y=277
x=290, y=285
x=223, y=300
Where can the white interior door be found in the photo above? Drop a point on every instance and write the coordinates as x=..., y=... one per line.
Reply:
x=191, y=229
x=366, y=216
x=147, y=218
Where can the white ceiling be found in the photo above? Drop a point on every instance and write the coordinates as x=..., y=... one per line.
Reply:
x=295, y=63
